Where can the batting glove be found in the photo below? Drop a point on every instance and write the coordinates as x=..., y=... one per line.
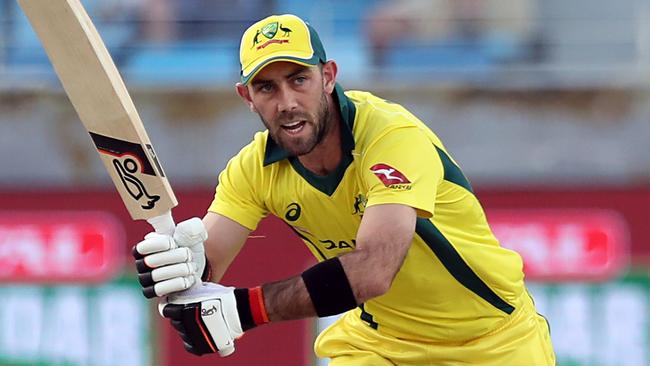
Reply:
x=206, y=317
x=168, y=264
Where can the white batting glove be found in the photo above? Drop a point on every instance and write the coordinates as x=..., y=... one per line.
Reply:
x=168, y=264
x=218, y=326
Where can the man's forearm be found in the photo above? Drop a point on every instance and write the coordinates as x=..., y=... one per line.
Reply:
x=288, y=299
x=325, y=288
x=340, y=284
x=225, y=239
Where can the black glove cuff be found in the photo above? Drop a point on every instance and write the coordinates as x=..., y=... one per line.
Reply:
x=244, y=309
x=206, y=276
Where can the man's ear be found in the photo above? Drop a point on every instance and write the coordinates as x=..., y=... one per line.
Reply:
x=330, y=70
x=245, y=95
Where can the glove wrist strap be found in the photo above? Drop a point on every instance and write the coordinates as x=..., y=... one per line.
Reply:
x=251, y=308
x=206, y=276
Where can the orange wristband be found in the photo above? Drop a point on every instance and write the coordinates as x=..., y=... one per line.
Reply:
x=251, y=308
x=258, y=309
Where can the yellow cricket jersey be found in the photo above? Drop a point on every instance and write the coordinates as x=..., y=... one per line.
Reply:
x=456, y=282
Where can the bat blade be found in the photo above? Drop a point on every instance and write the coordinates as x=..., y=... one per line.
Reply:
x=97, y=92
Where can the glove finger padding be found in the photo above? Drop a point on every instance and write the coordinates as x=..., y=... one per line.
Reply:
x=189, y=348
x=184, y=320
x=201, y=327
x=174, y=256
x=167, y=272
x=167, y=264
x=167, y=287
x=153, y=243
x=209, y=317
x=190, y=233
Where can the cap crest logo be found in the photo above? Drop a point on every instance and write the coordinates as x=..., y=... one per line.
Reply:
x=269, y=31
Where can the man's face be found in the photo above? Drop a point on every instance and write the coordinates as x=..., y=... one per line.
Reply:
x=292, y=103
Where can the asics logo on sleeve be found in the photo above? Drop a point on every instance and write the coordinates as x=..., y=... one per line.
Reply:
x=389, y=175
x=293, y=212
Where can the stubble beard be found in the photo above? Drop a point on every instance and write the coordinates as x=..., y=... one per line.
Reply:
x=302, y=146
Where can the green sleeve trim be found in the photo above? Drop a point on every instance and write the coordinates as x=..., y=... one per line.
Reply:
x=453, y=173
x=457, y=267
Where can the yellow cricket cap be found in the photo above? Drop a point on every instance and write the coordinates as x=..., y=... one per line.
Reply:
x=278, y=38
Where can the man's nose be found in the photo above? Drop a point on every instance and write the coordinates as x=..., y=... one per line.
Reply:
x=287, y=101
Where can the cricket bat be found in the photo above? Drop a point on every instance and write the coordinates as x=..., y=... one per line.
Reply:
x=94, y=86
x=98, y=94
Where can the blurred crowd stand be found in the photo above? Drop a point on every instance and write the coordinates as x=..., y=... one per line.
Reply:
x=194, y=38
x=166, y=21
x=550, y=78
x=190, y=42
x=452, y=33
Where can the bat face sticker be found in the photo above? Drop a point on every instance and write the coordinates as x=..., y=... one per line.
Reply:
x=129, y=160
x=126, y=169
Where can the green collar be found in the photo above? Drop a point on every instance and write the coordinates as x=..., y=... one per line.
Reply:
x=274, y=153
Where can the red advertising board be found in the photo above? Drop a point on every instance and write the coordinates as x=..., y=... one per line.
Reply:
x=59, y=246
x=588, y=244
x=280, y=254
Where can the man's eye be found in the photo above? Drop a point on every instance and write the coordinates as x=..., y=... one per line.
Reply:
x=265, y=88
x=300, y=79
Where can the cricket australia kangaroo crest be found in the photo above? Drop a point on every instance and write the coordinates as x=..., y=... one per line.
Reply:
x=270, y=31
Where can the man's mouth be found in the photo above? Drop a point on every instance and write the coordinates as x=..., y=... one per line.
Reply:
x=294, y=127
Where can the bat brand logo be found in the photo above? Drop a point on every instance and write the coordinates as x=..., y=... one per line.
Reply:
x=133, y=185
x=390, y=176
x=129, y=160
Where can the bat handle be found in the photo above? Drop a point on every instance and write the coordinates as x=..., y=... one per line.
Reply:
x=163, y=224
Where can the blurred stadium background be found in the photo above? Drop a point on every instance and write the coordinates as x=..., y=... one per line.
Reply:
x=545, y=104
